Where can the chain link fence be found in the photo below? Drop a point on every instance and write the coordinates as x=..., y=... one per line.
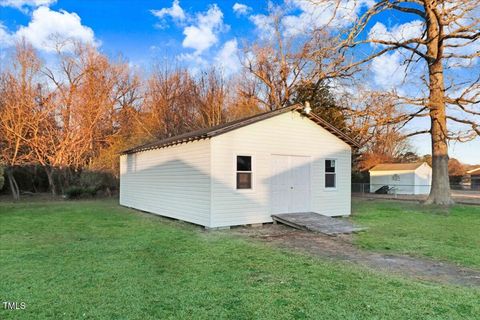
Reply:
x=461, y=193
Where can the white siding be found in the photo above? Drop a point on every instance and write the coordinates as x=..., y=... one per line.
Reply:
x=423, y=179
x=405, y=184
x=410, y=182
x=285, y=134
x=172, y=181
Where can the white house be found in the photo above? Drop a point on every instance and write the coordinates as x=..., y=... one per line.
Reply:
x=282, y=161
x=403, y=178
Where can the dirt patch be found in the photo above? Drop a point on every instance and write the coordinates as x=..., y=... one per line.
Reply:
x=341, y=248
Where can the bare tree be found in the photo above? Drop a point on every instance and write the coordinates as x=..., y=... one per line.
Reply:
x=372, y=120
x=447, y=37
x=169, y=109
x=242, y=101
x=80, y=119
x=211, y=98
x=281, y=61
x=17, y=107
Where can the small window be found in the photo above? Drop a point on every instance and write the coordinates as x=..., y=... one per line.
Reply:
x=330, y=174
x=244, y=172
x=396, y=177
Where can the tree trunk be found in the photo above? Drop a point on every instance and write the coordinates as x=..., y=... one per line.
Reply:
x=51, y=180
x=440, y=190
x=13, y=185
x=34, y=176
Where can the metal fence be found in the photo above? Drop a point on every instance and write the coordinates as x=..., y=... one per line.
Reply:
x=462, y=193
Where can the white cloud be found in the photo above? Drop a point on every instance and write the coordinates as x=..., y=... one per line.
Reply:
x=463, y=47
x=264, y=24
x=316, y=15
x=415, y=29
x=204, y=33
x=306, y=15
x=6, y=39
x=228, y=58
x=241, y=9
x=48, y=26
x=388, y=73
x=175, y=12
x=402, y=32
x=389, y=69
x=195, y=62
x=26, y=3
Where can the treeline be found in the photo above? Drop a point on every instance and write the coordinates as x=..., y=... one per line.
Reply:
x=79, y=114
x=63, y=121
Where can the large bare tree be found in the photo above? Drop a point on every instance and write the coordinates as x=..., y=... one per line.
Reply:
x=443, y=51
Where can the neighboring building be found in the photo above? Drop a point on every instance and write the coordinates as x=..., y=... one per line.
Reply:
x=474, y=178
x=403, y=178
x=281, y=161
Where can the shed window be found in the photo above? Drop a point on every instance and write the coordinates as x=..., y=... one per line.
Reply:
x=244, y=172
x=330, y=173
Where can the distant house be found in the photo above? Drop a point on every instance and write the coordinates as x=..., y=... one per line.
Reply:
x=283, y=161
x=474, y=178
x=402, y=178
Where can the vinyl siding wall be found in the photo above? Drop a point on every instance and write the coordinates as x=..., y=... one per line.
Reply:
x=423, y=179
x=411, y=182
x=172, y=181
x=286, y=134
x=403, y=186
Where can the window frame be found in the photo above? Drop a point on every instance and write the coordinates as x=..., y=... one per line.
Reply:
x=330, y=173
x=252, y=168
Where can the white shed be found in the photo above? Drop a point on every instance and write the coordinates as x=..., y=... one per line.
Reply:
x=404, y=178
x=282, y=161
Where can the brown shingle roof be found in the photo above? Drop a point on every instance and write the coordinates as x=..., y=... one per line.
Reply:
x=397, y=166
x=223, y=128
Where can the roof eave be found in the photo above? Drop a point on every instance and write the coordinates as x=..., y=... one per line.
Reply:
x=236, y=125
x=474, y=171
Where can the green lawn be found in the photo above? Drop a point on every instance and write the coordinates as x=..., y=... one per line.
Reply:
x=409, y=228
x=95, y=260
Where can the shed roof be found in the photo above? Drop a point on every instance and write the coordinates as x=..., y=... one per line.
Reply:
x=224, y=128
x=397, y=166
x=474, y=171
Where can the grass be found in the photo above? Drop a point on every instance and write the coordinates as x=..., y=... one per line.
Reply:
x=409, y=228
x=96, y=260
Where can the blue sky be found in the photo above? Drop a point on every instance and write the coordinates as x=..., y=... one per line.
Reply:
x=196, y=33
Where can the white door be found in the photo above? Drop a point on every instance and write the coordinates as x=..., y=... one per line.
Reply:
x=290, y=184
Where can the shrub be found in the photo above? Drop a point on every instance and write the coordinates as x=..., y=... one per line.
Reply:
x=74, y=192
x=97, y=180
x=91, y=191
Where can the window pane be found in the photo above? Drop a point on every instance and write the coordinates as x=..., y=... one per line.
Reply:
x=244, y=163
x=329, y=165
x=244, y=180
x=330, y=180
